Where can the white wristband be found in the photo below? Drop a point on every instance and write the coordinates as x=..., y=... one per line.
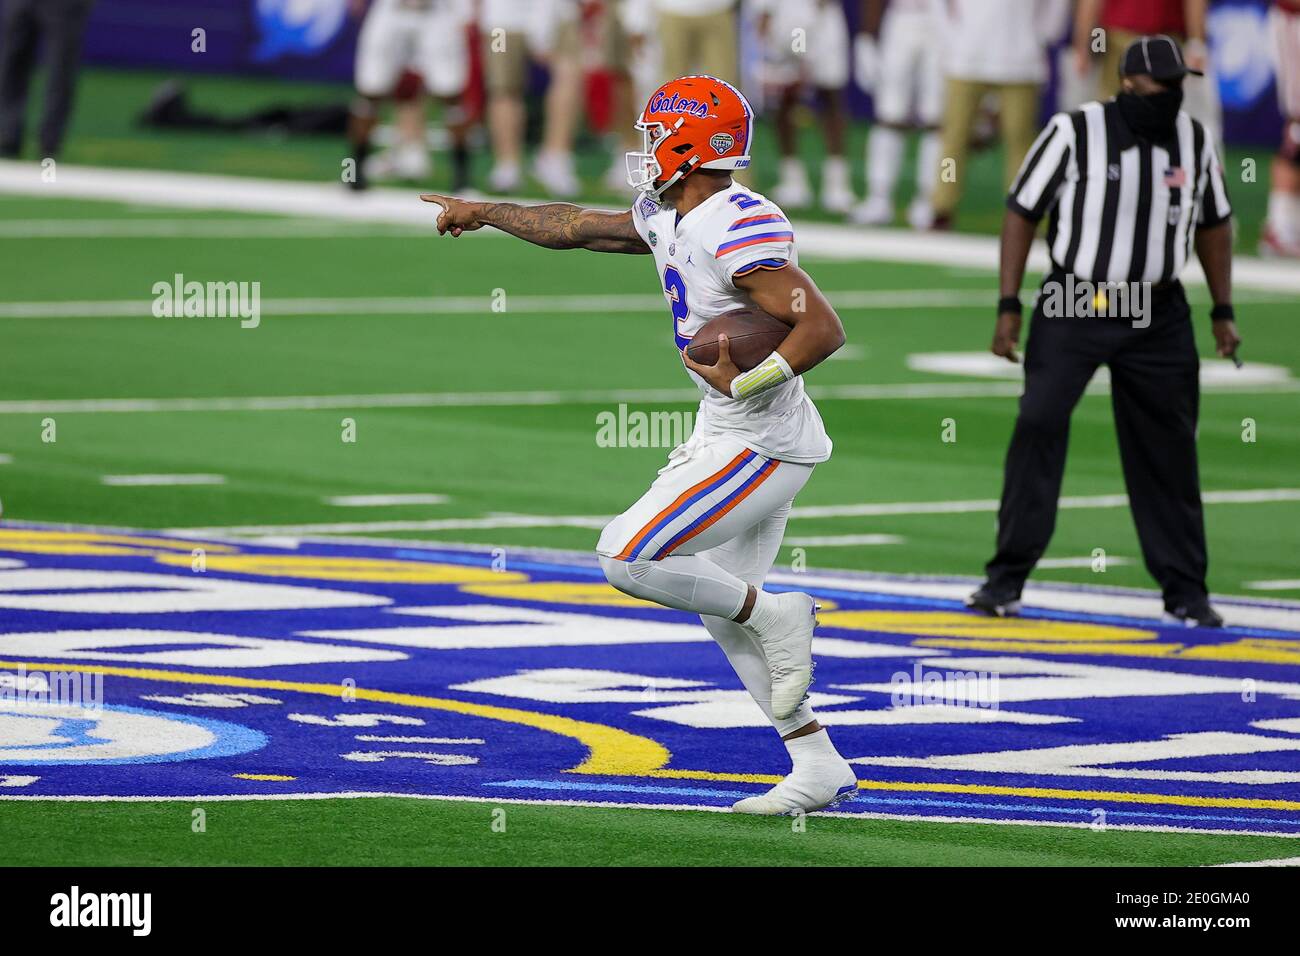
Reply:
x=769, y=373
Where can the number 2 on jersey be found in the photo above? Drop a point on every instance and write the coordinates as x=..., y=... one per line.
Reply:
x=675, y=289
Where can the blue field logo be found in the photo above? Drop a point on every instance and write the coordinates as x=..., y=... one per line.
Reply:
x=298, y=27
x=45, y=734
x=285, y=668
x=1239, y=32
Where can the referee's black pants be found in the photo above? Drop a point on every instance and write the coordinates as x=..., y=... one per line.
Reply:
x=25, y=27
x=1155, y=397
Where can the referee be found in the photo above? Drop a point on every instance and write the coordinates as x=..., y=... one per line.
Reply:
x=1130, y=187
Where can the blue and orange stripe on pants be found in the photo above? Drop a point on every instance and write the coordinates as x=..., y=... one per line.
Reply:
x=690, y=496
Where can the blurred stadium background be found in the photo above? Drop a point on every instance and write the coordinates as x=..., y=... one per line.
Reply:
x=222, y=62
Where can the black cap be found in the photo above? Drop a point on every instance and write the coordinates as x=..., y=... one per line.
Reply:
x=1159, y=57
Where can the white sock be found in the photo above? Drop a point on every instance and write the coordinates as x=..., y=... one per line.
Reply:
x=835, y=173
x=792, y=170
x=765, y=613
x=884, y=158
x=927, y=164
x=812, y=749
x=1284, y=217
x=750, y=664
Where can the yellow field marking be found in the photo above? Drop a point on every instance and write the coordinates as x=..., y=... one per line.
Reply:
x=572, y=592
x=273, y=777
x=559, y=592
x=1048, y=647
x=1251, y=649
x=955, y=625
x=957, y=631
x=32, y=541
x=611, y=751
x=381, y=570
x=1262, y=650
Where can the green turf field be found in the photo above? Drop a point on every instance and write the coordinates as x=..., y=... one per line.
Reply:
x=491, y=458
x=391, y=832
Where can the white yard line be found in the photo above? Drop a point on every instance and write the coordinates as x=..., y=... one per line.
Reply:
x=275, y=403
x=841, y=540
x=1080, y=562
x=379, y=501
x=559, y=305
x=1051, y=596
x=231, y=193
x=831, y=241
x=151, y=228
x=331, y=201
x=905, y=391
x=970, y=506
x=874, y=509
x=388, y=527
x=1275, y=584
x=137, y=481
x=1288, y=861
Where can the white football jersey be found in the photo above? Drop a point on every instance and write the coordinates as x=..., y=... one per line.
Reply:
x=733, y=232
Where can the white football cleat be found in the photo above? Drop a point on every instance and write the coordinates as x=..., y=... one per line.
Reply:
x=837, y=187
x=804, y=791
x=793, y=191
x=380, y=165
x=1271, y=245
x=414, y=163
x=505, y=178
x=920, y=214
x=555, y=172
x=787, y=645
x=873, y=211
x=408, y=161
x=838, y=198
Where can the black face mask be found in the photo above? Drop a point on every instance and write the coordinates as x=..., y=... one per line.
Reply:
x=1151, y=116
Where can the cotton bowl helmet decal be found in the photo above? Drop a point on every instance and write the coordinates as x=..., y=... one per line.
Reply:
x=691, y=123
x=422, y=670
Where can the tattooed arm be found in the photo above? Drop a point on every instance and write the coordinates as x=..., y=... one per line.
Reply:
x=557, y=225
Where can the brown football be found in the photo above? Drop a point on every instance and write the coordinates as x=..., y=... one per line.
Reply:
x=751, y=337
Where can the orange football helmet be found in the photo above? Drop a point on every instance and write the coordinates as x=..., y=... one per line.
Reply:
x=690, y=123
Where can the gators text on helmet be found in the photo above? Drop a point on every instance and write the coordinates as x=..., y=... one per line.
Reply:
x=690, y=123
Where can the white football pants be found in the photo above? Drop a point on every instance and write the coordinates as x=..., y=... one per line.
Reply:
x=708, y=527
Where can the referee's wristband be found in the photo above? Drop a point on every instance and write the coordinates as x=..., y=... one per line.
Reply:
x=769, y=373
x=1222, y=310
x=1010, y=303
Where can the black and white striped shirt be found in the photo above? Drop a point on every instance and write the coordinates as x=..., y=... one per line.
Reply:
x=1122, y=209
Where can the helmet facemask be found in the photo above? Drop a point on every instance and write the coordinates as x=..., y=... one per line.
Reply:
x=644, y=168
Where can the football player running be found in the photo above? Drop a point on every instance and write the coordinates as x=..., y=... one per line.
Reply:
x=705, y=535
